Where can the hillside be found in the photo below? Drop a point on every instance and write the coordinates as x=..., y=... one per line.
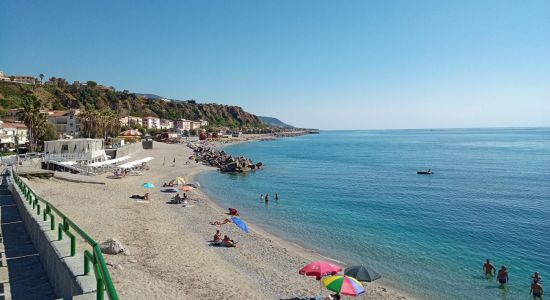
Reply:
x=59, y=95
x=274, y=122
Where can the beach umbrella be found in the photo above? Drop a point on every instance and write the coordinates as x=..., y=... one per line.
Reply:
x=148, y=185
x=186, y=188
x=240, y=223
x=319, y=269
x=361, y=273
x=344, y=285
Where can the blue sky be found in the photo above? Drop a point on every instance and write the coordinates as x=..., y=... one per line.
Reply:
x=324, y=64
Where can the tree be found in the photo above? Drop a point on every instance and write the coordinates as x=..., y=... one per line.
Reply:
x=91, y=83
x=34, y=119
x=50, y=133
x=41, y=77
x=96, y=124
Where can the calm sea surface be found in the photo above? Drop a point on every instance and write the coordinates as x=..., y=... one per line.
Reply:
x=355, y=196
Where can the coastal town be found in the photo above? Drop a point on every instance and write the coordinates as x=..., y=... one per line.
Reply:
x=73, y=123
x=282, y=150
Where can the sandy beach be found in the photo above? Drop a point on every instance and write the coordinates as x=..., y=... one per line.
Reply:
x=169, y=254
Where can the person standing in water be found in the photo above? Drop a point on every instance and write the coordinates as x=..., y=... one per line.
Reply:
x=266, y=197
x=489, y=268
x=502, y=276
x=276, y=196
x=262, y=197
x=536, y=290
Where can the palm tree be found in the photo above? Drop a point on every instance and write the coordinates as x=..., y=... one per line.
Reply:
x=34, y=119
x=41, y=77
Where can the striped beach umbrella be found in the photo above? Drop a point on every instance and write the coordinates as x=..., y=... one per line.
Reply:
x=344, y=285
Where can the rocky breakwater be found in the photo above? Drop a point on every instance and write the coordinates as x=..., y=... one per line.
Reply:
x=225, y=162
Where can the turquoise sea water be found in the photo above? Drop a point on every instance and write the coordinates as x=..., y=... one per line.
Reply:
x=355, y=196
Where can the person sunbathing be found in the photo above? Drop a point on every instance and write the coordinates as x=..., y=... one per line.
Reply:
x=217, y=237
x=221, y=222
x=227, y=242
x=144, y=197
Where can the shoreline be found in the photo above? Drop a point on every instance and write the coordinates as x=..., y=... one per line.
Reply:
x=300, y=249
x=168, y=243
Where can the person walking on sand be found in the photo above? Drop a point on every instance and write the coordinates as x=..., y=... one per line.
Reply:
x=174, y=162
x=536, y=290
x=489, y=268
x=502, y=276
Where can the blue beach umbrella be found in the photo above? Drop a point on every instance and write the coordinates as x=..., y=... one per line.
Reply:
x=148, y=185
x=240, y=223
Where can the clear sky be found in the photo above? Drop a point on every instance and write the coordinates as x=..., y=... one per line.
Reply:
x=325, y=64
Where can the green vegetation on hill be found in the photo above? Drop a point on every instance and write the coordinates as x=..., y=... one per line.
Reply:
x=274, y=122
x=91, y=96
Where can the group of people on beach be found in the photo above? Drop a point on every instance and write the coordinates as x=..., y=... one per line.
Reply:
x=502, y=278
x=266, y=197
x=226, y=241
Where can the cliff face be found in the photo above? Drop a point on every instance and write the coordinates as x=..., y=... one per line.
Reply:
x=62, y=95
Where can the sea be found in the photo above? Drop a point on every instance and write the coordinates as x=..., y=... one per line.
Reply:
x=355, y=196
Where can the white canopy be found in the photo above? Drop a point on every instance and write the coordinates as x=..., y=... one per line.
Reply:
x=68, y=163
x=135, y=163
x=109, y=162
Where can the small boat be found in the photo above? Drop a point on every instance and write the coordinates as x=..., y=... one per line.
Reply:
x=429, y=172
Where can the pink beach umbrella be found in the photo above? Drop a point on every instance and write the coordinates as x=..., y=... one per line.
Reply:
x=320, y=269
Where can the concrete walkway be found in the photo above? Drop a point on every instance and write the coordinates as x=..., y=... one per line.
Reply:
x=24, y=276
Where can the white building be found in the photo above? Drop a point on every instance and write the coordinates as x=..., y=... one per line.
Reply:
x=18, y=78
x=204, y=123
x=75, y=150
x=12, y=134
x=166, y=124
x=183, y=124
x=196, y=124
x=151, y=122
x=65, y=121
x=131, y=121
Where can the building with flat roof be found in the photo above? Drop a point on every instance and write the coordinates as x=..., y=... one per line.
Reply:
x=75, y=149
x=65, y=121
x=183, y=124
x=131, y=121
x=151, y=122
x=166, y=124
x=13, y=134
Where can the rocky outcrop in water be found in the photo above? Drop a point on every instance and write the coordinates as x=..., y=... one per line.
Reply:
x=225, y=162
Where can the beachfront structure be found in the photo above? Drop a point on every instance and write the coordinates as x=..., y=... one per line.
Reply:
x=75, y=150
x=195, y=124
x=183, y=124
x=18, y=78
x=151, y=123
x=65, y=121
x=166, y=124
x=12, y=135
x=131, y=121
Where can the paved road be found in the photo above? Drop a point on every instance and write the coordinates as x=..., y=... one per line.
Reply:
x=27, y=279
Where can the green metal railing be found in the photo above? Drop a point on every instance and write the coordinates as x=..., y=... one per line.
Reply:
x=95, y=257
